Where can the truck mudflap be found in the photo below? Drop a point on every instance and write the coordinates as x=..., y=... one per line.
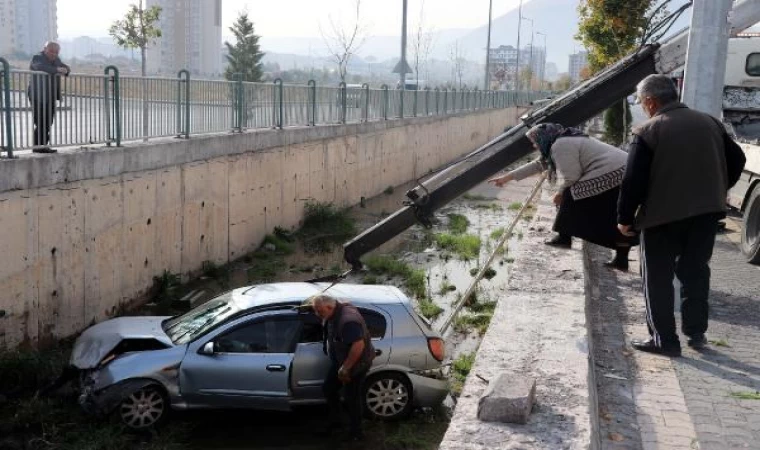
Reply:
x=573, y=108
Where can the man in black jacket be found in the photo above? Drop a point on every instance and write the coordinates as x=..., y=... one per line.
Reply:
x=44, y=91
x=681, y=164
x=349, y=347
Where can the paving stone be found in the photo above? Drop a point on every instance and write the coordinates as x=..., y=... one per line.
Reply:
x=508, y=399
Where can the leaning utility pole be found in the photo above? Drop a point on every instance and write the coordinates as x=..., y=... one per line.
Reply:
x=487, y=83
x=706, y=57
x=402, y=73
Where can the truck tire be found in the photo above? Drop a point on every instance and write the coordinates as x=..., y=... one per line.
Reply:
x=751, y=228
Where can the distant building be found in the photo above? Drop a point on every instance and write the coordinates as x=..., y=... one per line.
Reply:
x=503, y=61
x=191, y=38
x=578, y=61
x=25, y=25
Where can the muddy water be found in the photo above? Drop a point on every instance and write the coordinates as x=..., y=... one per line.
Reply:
x=486, y=208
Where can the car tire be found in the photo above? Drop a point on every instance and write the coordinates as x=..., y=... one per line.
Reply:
x=144, y=408
x=387, y=396
x=751, y=228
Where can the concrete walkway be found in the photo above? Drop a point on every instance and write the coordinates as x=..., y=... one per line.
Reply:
x=703, y=400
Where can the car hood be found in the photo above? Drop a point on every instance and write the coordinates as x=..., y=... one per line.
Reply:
x=96, y=342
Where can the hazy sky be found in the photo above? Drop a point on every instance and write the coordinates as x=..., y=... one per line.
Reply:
x=293, y=17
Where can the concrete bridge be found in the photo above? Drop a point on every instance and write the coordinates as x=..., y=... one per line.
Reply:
x=85, y=231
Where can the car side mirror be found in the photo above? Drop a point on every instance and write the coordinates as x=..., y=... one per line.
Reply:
x=207, y=349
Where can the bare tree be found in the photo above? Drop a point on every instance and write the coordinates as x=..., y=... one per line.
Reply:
x=422, y=44
x=344, y=41
x=457, y=60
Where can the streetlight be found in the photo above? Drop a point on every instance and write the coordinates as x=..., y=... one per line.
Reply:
x=530, y=61
x=517, y=64
x=488, y=48
x=546, y=53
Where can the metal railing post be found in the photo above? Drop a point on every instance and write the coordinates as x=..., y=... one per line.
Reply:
x=342, y=93
x=445, y=101
x=365, y=91
x=401, y=103
x=183, y=76
x=385, y=101
x=7, y=107
x=313, y=102
x=113, y=115
x=415, y=102
x=453, y=100
x=278, y=100
x=437, y=101
x=427, y=101
x=237, y=103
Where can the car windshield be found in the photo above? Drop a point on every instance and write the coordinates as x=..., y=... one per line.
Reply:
x=196, y=322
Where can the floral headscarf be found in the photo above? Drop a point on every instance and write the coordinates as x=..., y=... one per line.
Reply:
x=543, y=136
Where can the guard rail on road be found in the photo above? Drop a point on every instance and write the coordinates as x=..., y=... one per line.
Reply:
x=109, y=109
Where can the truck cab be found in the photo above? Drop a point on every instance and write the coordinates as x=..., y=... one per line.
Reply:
x=741, y=112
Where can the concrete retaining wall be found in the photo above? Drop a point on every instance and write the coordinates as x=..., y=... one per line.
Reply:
x=83, y=232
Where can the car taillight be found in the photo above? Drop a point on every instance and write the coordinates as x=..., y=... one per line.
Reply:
x=437, y=348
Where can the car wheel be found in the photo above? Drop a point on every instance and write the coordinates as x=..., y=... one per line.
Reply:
x=751, y=228
x=144, y=408
x=387, y=396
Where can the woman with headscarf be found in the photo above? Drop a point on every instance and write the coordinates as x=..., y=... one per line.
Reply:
x=591, y=173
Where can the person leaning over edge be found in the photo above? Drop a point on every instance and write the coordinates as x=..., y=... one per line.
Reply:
x=43, y=91
x=587, y=198
x=349, y=347
x=681, y=164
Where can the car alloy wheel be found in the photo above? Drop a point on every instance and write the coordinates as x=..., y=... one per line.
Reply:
x=388, y=396
x=143, y=408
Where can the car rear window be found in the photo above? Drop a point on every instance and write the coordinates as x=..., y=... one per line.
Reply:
x=375, y=323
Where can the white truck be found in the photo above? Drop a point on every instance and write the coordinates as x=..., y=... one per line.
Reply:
x=741, y=111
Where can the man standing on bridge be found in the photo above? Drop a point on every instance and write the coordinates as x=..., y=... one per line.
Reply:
x=681, y=164
x=349, y=347
x=44, y=91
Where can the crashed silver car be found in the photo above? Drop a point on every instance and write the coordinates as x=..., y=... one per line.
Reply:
x=255, y=347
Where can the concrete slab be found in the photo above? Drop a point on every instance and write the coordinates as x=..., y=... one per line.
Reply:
x=509, y=399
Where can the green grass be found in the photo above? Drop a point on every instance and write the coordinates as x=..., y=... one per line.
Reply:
x=473, y=322
x=477, y=197
x=467, y=246
x=369, y=279
x=458, y=223
x=497, y=233
x=165, y=288
x=748, y=395
x=280, y=243
x=325, y=227
x=509, y=260
x=414, y=279
x=460, y=368
x=424, y=430
x=515, y=206
x=388, y=191
x=486, y=307
x=428, y=308
x=446, y=287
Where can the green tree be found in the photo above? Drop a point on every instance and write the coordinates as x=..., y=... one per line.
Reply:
x=245, y=55
x=138, y=29
x=610, y=30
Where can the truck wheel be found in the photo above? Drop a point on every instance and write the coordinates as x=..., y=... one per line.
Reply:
x=751, y=228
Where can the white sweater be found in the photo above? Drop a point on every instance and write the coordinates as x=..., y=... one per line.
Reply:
x=586, y=165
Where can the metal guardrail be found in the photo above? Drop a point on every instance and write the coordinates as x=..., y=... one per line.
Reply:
x=109, y=109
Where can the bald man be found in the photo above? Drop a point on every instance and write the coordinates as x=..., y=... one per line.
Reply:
x=44, y=91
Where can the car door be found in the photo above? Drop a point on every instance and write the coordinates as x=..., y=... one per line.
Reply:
x=249, y=366
x=310, y=364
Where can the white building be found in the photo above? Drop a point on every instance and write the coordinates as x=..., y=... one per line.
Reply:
x=578, y=61
x=191, y=38
x=503, y=61
x=25, y=25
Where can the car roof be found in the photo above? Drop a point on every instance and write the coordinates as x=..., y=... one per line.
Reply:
x=358, y=294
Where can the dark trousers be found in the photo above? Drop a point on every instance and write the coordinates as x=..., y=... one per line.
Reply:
x=352, y=396
x=43, y=111
x=684, y=249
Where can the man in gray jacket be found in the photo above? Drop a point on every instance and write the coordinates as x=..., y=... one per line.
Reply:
x=681, y=164
x=44, y=91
